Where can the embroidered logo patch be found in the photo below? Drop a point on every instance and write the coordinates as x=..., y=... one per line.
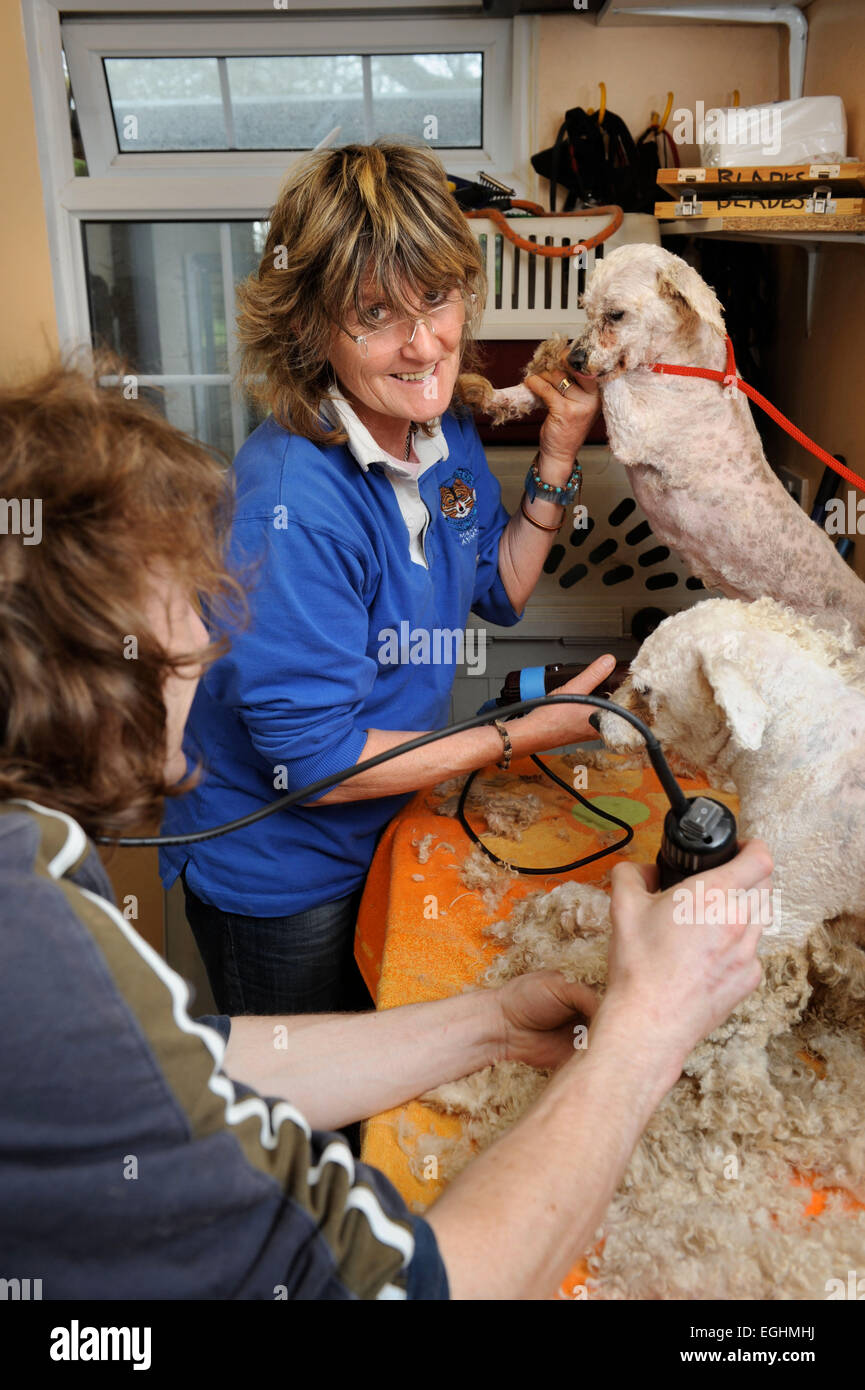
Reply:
x=459, y=504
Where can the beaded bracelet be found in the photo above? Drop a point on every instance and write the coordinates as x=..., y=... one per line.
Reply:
x=562, y=496
x=506, y=740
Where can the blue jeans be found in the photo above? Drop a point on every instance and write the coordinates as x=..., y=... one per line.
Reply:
x=302, y=964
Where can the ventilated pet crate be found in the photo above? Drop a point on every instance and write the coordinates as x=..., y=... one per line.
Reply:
x=599, y=577
x=533, y=296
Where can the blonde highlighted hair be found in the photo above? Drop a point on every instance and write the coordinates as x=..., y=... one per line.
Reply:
x=382, y=210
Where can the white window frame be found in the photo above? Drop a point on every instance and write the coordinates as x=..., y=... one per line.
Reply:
x=235, y=185
x=88, y=42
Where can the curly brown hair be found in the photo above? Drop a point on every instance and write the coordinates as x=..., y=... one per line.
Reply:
x=83, y=726
x=383, y=209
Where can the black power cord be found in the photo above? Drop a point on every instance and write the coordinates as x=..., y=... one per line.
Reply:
x=678, y=801
x=554, y=868
x=698, y=834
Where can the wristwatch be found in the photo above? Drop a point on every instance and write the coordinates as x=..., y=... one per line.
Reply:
x=563, y=496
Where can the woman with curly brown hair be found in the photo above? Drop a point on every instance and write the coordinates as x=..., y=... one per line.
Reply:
x=367, y=504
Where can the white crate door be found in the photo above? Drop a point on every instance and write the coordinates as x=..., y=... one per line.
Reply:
x=532, y=296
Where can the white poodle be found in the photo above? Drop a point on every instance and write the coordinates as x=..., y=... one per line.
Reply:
x=755, y=695
x=693, y=455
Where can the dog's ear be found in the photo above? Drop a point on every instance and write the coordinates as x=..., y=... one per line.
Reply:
x=680, y=282
x=744, y=709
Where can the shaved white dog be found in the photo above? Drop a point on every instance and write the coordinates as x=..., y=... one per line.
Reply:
x=757, y=696
x=691, y=449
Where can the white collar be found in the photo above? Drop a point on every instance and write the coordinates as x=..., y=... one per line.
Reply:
x=430, y=449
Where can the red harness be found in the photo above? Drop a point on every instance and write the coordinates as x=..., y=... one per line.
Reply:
x=730, y=377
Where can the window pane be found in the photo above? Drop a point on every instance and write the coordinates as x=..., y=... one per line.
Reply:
x=292, y=103
x=430, y=96
x=166, y=103
x=200, y=410
x=247, y=247
x=156, y=294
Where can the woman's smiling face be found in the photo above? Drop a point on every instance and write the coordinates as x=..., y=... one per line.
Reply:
x=414, y=381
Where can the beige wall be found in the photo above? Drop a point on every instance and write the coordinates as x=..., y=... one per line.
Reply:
x=640, y=64
x=28, y=336
x=818, y=380
x=28, y=326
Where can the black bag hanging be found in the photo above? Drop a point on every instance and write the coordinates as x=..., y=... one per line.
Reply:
x=574, y=160
x=596, y=161
x=655, y=151
x=620, y=169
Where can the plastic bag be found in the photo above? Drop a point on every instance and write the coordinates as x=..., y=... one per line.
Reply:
x=811, y=129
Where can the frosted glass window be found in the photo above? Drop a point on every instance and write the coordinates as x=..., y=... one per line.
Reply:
x=410, y=90
x=166, y=104
x=291, y=102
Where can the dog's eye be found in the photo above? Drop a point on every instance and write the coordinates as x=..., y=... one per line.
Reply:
x=614, y=317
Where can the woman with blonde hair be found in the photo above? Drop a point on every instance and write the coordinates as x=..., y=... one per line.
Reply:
x=366, y=504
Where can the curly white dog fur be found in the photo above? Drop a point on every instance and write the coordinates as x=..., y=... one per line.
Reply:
x=760, y=695
x=754, y=694
x=706, y=1208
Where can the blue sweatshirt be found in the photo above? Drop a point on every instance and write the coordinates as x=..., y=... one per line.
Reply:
x=326, y=655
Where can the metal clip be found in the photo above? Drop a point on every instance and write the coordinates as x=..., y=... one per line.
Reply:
x=489, y=181
x=821, y=200
x=688, y=205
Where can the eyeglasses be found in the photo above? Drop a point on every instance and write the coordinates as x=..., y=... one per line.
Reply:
x=439, y=318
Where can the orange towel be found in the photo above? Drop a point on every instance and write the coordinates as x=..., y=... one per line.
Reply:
x=420, y=932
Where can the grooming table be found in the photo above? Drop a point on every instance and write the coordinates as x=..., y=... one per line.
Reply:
x=406, y=957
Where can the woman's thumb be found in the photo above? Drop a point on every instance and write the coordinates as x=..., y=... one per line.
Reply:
x=629, y=881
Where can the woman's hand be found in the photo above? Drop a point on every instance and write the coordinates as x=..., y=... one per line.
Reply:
x=553, y=726
x=539, y=1015
x=672, y=981
x=567, y=423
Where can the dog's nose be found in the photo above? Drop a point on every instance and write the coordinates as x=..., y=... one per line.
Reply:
x=577, y=358
x=595, y=720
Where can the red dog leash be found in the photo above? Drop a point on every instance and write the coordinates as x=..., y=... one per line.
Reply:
x=730, y=377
